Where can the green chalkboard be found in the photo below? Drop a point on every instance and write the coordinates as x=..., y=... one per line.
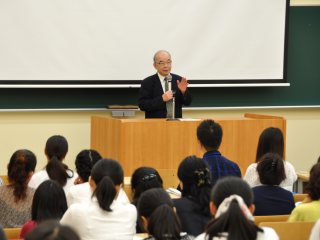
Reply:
x=303, y=75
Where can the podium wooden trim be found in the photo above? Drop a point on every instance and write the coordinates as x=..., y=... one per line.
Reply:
x=163, y=144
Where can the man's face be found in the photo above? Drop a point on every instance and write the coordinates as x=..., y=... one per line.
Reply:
x=163, y=63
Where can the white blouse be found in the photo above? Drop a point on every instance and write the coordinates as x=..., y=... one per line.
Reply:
x=42, y=175
x=92, y=223
x=252, y=176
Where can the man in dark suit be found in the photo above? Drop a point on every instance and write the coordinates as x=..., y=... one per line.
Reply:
x=154, y=96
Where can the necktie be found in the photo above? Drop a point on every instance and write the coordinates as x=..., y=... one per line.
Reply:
x=169, y=104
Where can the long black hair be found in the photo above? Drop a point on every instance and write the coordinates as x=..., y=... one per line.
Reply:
x=49, y=202
x=233, y=221
x=21, y=164
x=56, y=150
x=195, y=176
x=106, y=174
x=156, y=205
x=270, y=140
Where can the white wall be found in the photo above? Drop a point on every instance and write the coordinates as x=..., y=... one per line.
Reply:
x=31, y=130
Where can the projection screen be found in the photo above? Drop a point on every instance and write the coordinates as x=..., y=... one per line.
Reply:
x=112, y=42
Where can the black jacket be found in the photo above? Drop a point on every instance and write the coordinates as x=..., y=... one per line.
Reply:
x=150, y=97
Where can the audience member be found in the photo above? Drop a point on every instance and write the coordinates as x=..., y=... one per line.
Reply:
x=269, y=198
x=193, y=206
x=104, y=217
x=271, y=140
x=309, y=211
x=209, y=134
x=232, y=206
x=156, y=211
x=49, y=203
x=52, y=230
x=55, y=150
x=16, y=198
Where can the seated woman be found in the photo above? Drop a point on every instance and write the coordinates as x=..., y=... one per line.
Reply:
x=232, y=206
x=49, y=202
x=157, y=214
x=269, y=198
x=193, y=206
x=104, y=217
x=309, y=211
x=56, y=149
x=271, y=140
x=52, y=230
x=16, y=198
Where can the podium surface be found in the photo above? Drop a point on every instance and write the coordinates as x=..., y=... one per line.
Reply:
x=164, y=144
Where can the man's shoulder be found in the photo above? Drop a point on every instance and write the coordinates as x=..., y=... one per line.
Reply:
x=151, y=78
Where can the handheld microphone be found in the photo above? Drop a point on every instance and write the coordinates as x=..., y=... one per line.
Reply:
x=169, y=79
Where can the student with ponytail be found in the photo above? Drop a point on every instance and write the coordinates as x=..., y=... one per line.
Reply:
x=232, y=206
x=158, y=216
x=16, y=198
x=193, y=206
x=104, y=218
x=55, y=150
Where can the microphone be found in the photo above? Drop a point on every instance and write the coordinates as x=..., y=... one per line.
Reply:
x=169, y=79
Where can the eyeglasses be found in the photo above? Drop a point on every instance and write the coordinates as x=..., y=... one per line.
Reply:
x=161, y=63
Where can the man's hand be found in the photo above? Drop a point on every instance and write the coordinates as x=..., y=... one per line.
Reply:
x=183, y=84
x=167, y=96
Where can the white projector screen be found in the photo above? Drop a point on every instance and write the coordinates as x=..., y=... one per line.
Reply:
x=113, y=41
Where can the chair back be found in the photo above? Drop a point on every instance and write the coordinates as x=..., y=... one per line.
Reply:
x=290, y=230
x=12, y=233
x=270, y=218
x=5, y=179
x=299, y=197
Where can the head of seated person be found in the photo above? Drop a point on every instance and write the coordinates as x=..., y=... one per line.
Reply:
x=209, y=134
x=144, y=178
x=158, y=216
x=232, y=207
x=313, y=186
x=56, y=150
x=49, y=202
x=52, y=230
x=106, y=181
x=20, y=169
x=195, y=182
x=84, y=162
x=270, y=169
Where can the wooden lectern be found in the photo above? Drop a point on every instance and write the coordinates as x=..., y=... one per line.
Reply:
x=163, y=144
